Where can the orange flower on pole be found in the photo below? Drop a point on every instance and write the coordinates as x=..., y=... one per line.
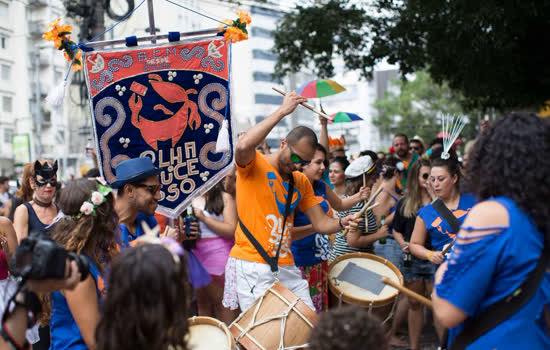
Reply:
x=244, y=17
x=235, y=30
x=59, y=34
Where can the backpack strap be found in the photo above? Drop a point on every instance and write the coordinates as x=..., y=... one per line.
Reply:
x=446, y=214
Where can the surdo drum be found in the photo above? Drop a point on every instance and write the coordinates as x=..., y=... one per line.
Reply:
x=355, y=278
x=276, y=320
x=207, y=333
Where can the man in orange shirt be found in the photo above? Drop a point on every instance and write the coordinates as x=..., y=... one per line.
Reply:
x=262, y=188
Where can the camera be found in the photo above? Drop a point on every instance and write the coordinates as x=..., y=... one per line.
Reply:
x=38, y=257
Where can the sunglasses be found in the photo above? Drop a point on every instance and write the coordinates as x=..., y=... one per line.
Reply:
x=51, y=181
x=425, y=176
x=414, y=148
x=153, y=189
x=296, y=158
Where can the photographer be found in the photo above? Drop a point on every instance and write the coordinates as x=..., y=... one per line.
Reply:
x=16, y=320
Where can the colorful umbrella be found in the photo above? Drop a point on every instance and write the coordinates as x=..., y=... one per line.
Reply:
x=343, y=117
x=320, y=88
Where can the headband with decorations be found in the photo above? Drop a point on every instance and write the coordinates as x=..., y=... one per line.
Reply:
x=452, y=126
x=46, y=170
x=335, y=144
x=97, y=198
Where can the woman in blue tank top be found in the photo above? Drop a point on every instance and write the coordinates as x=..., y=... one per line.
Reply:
x=312, y=252
x=88, y=228
x=502, y=239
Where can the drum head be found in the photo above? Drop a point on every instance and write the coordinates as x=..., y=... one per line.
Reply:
x=357, y=276
x=207, y=333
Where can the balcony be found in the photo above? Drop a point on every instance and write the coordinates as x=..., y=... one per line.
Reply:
x=38, y=3
x=36, y=28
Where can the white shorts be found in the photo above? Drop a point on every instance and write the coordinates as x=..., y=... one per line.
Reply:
x=252, y=279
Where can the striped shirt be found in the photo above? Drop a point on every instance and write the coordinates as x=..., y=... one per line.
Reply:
x=340, y=245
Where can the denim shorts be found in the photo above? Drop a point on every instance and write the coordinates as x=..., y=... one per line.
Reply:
x=390, y=251
x=419, y=270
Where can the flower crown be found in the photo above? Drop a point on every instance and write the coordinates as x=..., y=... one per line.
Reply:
x=98, y=197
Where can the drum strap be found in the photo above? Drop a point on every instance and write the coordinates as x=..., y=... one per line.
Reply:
x=272, y=261
x=446, y=214
x=506, y=307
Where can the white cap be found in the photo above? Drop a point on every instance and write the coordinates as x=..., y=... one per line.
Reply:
x=359, y=166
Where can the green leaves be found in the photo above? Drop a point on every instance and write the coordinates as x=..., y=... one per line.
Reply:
x=413, y=107
x=492, y=53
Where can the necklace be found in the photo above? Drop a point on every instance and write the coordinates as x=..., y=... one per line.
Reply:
x=40, y=203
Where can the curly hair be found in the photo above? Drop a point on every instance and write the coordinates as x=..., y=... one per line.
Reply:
x=90, y=234
x=348, y=328
x=504, y=162
x=147, y=305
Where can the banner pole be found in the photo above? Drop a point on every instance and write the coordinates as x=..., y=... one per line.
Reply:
x=152, y=28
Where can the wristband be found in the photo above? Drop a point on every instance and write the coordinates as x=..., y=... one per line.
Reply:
x=340, y=222
x=430, y=254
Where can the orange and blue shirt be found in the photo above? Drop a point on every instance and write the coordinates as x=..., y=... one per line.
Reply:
x=261, y=200
x=439, y=230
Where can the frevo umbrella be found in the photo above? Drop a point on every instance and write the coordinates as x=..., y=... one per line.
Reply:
x=344, y=117
x=320, y=88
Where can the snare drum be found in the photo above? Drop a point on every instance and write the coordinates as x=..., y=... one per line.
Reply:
x=355, y=278
x=207, y=333
x=278, y=310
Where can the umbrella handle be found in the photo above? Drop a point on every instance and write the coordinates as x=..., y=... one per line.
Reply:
x=322, y=114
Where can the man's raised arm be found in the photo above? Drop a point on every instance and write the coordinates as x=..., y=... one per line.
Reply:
x=246, y=146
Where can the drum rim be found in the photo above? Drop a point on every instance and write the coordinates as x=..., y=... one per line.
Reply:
x=198, y=320
x=350, y=299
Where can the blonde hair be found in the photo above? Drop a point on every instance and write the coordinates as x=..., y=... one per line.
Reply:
x=412, y=201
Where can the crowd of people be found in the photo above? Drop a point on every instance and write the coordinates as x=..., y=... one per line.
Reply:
x=285, y=216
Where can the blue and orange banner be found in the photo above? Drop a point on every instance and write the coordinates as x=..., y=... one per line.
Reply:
x=166, y=102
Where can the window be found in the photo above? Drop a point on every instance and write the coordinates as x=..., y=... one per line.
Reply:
x=8, y=135
x=7, y=104
x=6, y=72
x=268, y=99
x=3, y=9
x=3, y=42
x=264, y=55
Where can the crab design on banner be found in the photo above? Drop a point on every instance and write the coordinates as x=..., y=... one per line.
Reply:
x=166, y=102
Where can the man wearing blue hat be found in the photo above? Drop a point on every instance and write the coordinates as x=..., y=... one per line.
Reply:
x=138, y=193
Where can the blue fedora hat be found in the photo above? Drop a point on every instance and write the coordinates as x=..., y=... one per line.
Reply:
x=133, y=170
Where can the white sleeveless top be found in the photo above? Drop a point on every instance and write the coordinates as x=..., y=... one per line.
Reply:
x=205, y=231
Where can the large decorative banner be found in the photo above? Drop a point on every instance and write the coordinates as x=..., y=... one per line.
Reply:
x=166, y=102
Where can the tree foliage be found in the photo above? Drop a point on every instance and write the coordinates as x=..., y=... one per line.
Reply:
x=414, y=106
x=492, y=52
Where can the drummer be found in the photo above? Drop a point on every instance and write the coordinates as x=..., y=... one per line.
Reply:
x=262, y=190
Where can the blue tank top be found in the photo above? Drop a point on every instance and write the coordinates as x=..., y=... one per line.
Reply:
x=439, y=230
x=64, y=331
x=315, y=248
x=35, y=225
x=124, y=236
x=483, y=272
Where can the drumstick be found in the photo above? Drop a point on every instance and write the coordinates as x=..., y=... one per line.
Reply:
x=366, y=207
x=369, y=208
x=409, y=292
x=322, y=114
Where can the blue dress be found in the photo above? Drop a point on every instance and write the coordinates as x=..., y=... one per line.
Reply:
x=482, y=272
x=64, y=331
x=439, y=230
x=315, y=248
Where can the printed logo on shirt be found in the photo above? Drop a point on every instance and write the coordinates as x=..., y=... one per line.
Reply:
x=437, y=222
x=322, y=247
x=274, y=225
x=281, y=204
